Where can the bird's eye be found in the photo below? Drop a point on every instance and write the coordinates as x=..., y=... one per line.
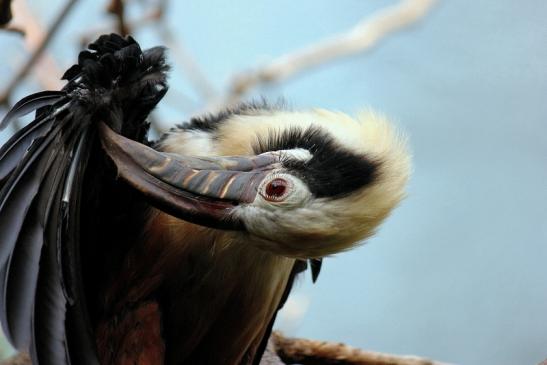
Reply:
x=276, y=190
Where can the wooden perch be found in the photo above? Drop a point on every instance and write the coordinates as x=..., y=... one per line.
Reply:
x=313, y=352
x=284, y=351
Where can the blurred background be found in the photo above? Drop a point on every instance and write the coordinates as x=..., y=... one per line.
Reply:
x=458, y=271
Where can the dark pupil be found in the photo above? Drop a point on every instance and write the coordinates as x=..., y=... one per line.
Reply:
x=276, y=188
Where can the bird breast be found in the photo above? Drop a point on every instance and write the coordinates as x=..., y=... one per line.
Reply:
x=222, y=292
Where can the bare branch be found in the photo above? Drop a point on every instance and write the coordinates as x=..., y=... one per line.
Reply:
x=14, y=29
x=191, y=68
x=117, y=8
x=310, y=352
x=46, y=69
x=148, y=18
x=364, y=36
x=37, y=52
x=184, y=59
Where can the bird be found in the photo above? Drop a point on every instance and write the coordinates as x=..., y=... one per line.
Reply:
x=117, y=250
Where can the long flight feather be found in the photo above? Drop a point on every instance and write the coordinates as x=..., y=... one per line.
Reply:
x=22, y=274
x=30, y=104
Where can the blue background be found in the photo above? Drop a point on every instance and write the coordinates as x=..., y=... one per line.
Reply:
x=458, y=273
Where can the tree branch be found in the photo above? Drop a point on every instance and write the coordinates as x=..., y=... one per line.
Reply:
x=311, y=352
x=364, y=36
x=38, y=51
x=147, y=18
x=191, y=68
x=117, y=8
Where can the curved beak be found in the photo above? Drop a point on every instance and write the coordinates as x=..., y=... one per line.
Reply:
x=201, y=190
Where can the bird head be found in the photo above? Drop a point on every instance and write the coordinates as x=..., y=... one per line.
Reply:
x=299, y=184
x=332, y=181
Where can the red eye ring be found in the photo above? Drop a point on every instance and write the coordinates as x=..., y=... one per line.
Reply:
x=276, y=190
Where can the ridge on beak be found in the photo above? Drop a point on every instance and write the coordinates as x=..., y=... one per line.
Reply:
x=201, y=190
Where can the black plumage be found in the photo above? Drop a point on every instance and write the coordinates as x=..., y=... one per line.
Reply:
x=67, y=223
x=332, y=171
x=42, y=167
x=210, y=122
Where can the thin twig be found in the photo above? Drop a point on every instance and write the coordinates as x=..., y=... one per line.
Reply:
x=117, y=8
x=14, y=29
x=24, y=70
x=191, y=68
x=148, y=18
x=46, y=70
x=364, y=36
x=310, y=352
x=183, y=58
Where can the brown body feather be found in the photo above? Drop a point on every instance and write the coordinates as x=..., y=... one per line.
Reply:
x=134, y=338
x=216, y=297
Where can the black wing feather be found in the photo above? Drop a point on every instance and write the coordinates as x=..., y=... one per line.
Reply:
x=42, y=299
x=15, y=201
x=57, y=299
x=81, y=347
x=50, y=303
x=12, y=152
x=30, y=104
x=18, y=292
x=14, y=214
x=23, y=269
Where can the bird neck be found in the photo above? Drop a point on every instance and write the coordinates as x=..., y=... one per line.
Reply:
x=222, y=294
x=216, y=289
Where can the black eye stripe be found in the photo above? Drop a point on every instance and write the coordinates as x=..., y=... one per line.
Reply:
x=332, y=171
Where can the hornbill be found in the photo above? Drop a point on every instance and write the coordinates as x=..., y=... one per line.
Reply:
x=116, y=250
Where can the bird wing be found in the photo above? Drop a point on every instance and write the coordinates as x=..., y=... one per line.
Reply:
x=42, y=300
